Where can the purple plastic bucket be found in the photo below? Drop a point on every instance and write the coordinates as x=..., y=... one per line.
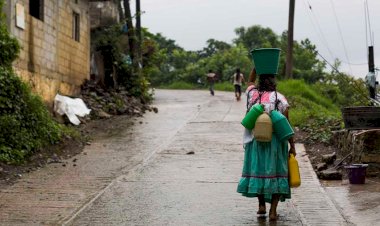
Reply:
x=356, y=173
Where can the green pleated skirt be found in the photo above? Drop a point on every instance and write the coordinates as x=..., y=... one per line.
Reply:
x=265, y=170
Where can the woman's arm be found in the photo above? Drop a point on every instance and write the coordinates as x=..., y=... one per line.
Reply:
x=252, y=77
x=291, y=140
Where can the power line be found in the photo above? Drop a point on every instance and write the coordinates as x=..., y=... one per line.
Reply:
x=357, y=64
x=341, y=34
x=317, y=27
x=324, y=42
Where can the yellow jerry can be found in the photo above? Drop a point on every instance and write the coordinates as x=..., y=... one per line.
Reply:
x=294, y=172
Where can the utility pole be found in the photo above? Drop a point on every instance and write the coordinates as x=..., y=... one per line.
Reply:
x=371, y=61
x=138, y=31
x=289, y=53
x=371, y=76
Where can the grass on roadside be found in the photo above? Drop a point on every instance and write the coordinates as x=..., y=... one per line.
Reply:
x=227, y=86
x=219, y=86
x=310, y=111
x=181, y=85
x=306, y=103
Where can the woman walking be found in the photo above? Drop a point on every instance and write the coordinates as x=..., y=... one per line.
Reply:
x=211, y=77
x=265, y=169
x=238, y=78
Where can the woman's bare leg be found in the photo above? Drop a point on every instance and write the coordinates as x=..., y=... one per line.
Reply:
x=273, y=207
x=262, y=208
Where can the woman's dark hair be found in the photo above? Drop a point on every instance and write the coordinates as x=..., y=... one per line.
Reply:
x=237, y=76
x=267, y=83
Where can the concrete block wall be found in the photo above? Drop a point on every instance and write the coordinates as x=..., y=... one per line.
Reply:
x=50, y=59
x=103, y=13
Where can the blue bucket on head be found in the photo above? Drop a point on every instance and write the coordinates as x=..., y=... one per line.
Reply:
x=356, y=173
x=281, y=126
x=266, y=60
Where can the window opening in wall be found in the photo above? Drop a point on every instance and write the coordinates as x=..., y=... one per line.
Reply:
x=36, y=9
x=76, y=28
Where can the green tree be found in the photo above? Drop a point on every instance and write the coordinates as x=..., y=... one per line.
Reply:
x=256, y=37
x=163, y=42
x=170, y=60
x=306, y=66
x=224, y=58
x=114, y=46
x=224, y=63
x=213, y=46
x=179, y=65
x=343, y=89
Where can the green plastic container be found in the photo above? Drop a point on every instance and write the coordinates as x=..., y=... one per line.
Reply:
x=250, y=118
x=281, y=126
x=266, y=60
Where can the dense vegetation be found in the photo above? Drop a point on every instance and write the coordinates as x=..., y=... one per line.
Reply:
x=113, y=44
x=178, y=65
x=310, y=110
x=315, y=94
x=26, y=124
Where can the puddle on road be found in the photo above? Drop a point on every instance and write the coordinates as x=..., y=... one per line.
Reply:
x=359, y=203
x=371, y=185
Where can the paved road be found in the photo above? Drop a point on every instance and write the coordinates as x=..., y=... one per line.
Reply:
x=143, y=175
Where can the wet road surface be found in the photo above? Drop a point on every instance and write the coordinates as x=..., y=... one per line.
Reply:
x=145, y=174
x=358, y=203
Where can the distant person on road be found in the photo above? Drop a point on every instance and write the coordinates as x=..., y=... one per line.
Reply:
x=238, y=79
x=211, y=77
x=265, y=168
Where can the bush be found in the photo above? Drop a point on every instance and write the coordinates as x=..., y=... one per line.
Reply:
x=320, y=129
x=112, y=43
x=310, y=111
x=344, y=90
x=26, y=124
x=228, y=86
x=8, y=45
x=179, y=85
x=224, y=86
x=300, y=88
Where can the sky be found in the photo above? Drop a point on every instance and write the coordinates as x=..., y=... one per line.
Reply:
x=336, y=27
